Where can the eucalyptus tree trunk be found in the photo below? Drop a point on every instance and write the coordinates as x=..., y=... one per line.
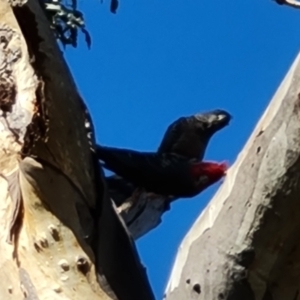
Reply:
x=245, y=244
x=60, y=236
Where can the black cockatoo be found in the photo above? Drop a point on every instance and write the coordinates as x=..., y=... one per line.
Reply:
x=162, y=173
x=189, y=136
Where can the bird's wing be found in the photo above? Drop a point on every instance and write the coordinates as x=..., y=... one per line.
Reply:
x=167, y=173
x=133, y=164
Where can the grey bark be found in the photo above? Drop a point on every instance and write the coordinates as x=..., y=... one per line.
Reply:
x=245, y=244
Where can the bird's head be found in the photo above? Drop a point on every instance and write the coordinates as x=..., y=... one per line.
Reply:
x=208, y=173
x=213, y=121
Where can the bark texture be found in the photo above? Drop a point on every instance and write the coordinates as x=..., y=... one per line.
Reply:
x=245, y=243
x=60, y=236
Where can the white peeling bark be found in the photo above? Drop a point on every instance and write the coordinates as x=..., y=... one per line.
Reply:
x=17, y=108
x=245, y=244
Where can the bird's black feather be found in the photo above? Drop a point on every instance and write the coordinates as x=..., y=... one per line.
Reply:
x=166, y=174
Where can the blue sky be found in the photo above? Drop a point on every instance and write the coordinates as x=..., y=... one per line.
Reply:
x=155, y=61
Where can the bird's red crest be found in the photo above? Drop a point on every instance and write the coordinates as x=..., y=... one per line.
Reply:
x=212, y=170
